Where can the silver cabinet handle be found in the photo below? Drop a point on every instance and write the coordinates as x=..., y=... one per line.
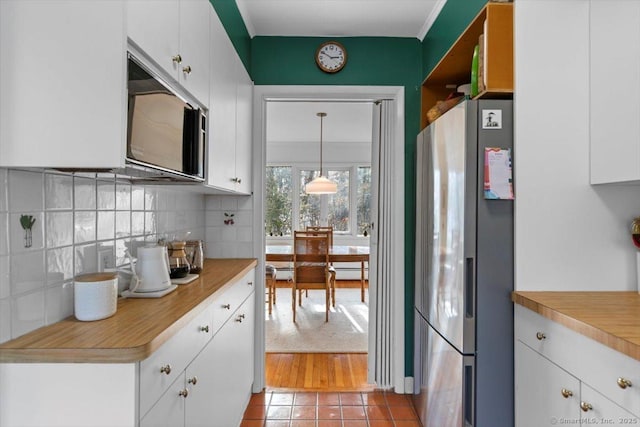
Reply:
x=187, y=69
x=184, y=393
x=586, y=407
x=250, y=283
x=240, y=318
x=236, y=179
x=623, y=383
x=566, y=393
x=176, y=58
x=166, y=369
x=204, y=329
x=193, y=380
x=227, y=306
x=541, y=336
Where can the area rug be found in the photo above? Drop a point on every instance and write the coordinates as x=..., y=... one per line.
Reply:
x=345, y=332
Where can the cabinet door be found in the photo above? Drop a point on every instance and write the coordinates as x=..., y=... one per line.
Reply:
x=168, y=411
x=62, y=83
x=194, y=48
x=244, y=129
x=232, y=366
x=541, y=387
x=601, y=410
x=154, y=27
x=201, y=382
x=222, y=109
x=615, y=90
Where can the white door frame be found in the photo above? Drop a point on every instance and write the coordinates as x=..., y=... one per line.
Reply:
x=263, y=94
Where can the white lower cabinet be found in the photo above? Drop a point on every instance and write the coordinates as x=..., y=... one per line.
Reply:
x=216, y=386
x=545, y=393
x=565, y=378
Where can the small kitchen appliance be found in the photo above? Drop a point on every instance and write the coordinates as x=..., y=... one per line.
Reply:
x=151, y=273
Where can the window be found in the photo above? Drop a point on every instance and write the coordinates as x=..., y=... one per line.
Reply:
x=285, y=213
x=279, y=201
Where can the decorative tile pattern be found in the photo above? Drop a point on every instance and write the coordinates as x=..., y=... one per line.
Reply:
x=330, y=409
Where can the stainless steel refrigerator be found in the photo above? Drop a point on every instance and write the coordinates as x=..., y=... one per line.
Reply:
x=463, y=365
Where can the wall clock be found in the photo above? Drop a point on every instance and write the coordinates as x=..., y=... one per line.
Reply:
x=331, y=57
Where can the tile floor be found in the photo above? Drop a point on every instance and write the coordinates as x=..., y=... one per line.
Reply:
x=330, y=409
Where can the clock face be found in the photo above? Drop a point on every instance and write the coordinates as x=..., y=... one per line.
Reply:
x=331, y=57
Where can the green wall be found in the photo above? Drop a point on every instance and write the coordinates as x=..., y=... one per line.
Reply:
x=379, y=61
x=231, y=19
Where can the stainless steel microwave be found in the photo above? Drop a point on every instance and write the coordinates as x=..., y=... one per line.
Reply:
x=164, y=131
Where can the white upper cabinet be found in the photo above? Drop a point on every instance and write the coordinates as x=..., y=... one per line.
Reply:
x=230, y=113
x=615, y=91
x=175, y=35
x=62, y=84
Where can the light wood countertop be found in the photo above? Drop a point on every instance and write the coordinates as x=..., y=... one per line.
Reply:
x=611, y=318
x=137, y=329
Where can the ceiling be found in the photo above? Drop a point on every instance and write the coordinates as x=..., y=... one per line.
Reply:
x=339, y=18
x=295, y=121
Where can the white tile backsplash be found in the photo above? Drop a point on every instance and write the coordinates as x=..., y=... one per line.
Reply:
x=58, y=191
x=229, y=240
x=17, y=237
x=59, y=229
x=27, y=313
x=76, y=217
x=26, y=192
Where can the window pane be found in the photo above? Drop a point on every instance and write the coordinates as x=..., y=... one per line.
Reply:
x=338, y=212
x=364, y=200
x=278, y=198
x=309, y=203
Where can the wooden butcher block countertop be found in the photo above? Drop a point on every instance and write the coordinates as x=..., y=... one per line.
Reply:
x=138, y=328
x=611, y=318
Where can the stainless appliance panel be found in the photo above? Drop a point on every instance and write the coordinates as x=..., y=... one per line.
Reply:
x=448, y=263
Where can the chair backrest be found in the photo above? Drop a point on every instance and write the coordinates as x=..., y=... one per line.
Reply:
x=322, y=228
x=310, y=256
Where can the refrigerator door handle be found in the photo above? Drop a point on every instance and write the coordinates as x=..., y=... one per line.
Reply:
x=468, y=403
x=469, y=288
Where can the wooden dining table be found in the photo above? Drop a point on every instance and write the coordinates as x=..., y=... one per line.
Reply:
x=337, y=253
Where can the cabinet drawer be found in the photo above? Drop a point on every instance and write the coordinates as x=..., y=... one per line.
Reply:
x=595, y=364
x=159, y=370
x=229, y=300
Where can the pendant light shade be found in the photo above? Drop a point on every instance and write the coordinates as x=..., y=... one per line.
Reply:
x=322, y=184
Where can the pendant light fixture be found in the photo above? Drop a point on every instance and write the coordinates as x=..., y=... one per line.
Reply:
x=321, y=185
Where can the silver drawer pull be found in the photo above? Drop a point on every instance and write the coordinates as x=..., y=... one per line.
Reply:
x=193, y=380
x=586, y=407
x=176, y=58
x=166, y=369
x=187, y=69
x=250, y=283
x=184, y=393
x=239, y=318
x=541, y=336
x=623, y=382
x=204, y=329
x=566, y=393
x=227, y=306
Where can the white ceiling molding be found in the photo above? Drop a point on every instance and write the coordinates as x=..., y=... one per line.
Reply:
x=433, y=15
x=244, y=13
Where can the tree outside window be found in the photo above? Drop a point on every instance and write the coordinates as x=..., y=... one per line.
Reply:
x=279, y=207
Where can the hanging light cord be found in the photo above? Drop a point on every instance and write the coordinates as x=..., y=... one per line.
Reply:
x=322, y=116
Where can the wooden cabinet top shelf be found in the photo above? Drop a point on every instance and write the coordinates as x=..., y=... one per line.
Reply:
x=454, y=68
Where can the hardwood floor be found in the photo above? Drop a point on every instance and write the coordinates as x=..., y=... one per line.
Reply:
x=317, y=372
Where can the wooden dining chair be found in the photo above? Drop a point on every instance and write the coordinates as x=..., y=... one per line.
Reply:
x=311, y=266
x=332, y=270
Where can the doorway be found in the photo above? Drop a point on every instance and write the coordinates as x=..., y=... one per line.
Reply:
x=393, y=319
